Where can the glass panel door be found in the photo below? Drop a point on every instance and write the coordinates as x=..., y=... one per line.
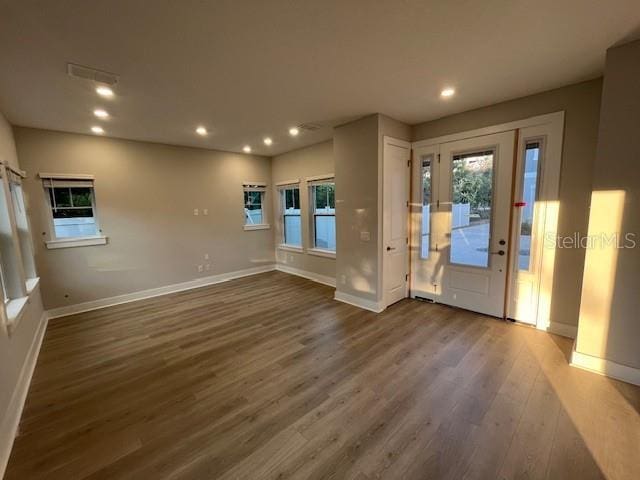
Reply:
x=472, y=193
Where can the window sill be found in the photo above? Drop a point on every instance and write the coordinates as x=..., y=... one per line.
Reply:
x=319, y=252
x=290, y=248
x=32, y=283
x=15, y=308
x=263, y=226
x=77, y=242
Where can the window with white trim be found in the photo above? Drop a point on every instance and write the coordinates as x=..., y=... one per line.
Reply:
x=323, y=213
x=291, y=224
x=254, y=206
x=72, y=210
x=22, y=225
x=17, y=267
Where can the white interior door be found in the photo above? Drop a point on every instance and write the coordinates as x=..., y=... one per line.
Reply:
x=396, y=173
x=463, y=256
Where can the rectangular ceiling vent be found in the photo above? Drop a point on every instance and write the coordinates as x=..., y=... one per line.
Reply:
x=310, y=127
x=92, y=74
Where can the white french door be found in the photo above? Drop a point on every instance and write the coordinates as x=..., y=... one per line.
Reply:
x=460, y=220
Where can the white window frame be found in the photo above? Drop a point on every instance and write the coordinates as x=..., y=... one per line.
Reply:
x=18, y=279
x=282, y=187
x=255, y=187
x=83, y=180
x=313, y=182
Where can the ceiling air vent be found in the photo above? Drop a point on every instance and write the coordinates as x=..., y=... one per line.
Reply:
x=92, y=74
x=310, y=127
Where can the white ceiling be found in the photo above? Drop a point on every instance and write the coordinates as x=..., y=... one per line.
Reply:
x=246, y=69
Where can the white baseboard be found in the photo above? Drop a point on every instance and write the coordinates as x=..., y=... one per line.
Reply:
x=11, y=420
x=605, y=367
x=316, y=277
x=569, y=331
x=155, y=292
x=370, y=305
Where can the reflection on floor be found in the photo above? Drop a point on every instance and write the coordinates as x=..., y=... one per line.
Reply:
x=268, y=377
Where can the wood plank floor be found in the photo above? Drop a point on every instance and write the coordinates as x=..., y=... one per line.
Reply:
x=268, y=377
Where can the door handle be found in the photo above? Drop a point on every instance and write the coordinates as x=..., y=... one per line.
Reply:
x=499, y=252
x=390, y=248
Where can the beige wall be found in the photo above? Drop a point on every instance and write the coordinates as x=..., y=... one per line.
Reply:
x=355, y=147
x=581, y=104
x=14, y=349
x=303, y=163
x=609, y=325
x=146, y=194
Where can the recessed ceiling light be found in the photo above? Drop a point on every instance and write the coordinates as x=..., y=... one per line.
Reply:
x=100, y=113
x=97, y=130
x=267, y=141
x=447, y=92
x=201, y=131
x=246, y=149
x=104, y=91
x=293, y=131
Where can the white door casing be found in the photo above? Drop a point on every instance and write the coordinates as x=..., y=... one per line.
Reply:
x=427, y=278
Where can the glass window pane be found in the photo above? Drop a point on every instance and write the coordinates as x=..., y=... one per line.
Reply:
x=72, y=212
x=292, y=226
x=529, y=193
x=292, y=230
x=472, y=191
x=253, y=208
x=81, y=197
x=324, y=197
x=325, y=231
x=74, y=222
x=426, y=207
x=62, y=197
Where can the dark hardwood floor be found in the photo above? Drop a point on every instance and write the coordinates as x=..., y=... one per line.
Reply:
x=269, y=377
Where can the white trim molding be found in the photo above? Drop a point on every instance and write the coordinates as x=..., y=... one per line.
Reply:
x=76, y=242
x=66, y=176
x=550, y=118
x=320, y=252
x=319, y=178
x=316, y=277
x=371, y=305
x=260, y=226
x=290, y=248
x=155, y=292
x=11, y=420
x=285, y=183
x=562, y=329
x=605, y=367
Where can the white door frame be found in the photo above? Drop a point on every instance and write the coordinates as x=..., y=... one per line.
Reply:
x=549, y=189
x=391, y=141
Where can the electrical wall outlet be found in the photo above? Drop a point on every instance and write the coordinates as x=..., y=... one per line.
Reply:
x=200, y=268
x=205, y=211
x=195, y=211
x=206, y=256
